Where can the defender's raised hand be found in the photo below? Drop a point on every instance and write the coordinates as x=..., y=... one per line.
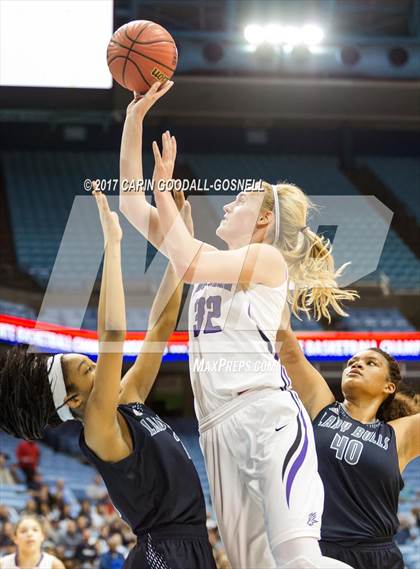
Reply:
x=109, y=219
x=185, y=209
x=165, y=162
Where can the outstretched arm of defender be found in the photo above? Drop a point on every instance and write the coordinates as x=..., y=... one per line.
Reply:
x=101, y=423
x=309, y=384
x=407, y=430
x=139, y=380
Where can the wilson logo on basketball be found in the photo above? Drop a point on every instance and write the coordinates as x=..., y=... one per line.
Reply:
x=159, y=75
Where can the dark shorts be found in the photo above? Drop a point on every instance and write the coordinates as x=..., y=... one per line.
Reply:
x=177, y=549
x=365, y=556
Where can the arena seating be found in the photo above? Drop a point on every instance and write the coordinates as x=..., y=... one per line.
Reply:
x=402, y=176
x=53, y=466
x=41, y=187
x=379, y=319
x=305, y=325
x=13, y=495
x=136, y=317
x=16, y=309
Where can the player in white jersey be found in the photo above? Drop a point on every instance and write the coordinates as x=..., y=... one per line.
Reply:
x=256, y=437
x=29, y=536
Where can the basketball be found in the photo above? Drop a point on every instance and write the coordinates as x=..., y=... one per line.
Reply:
x=141, y=53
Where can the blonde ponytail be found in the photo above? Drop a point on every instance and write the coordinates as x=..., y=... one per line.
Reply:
x=308, y=256
x=311, y=268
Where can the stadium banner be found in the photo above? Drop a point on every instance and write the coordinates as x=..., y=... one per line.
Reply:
x=316, y=345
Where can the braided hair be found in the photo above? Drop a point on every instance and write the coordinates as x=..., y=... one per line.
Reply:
x=400, y=403
x=26, y=401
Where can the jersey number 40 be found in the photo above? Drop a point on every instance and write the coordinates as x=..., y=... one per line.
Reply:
x=348, y=449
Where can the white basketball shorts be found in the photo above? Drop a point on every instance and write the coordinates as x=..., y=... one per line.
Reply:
x=262, y=466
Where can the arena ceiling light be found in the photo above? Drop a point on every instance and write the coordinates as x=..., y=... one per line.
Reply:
x=291, y=36
x=312, y=35
x=273, y=33
x=254, y=34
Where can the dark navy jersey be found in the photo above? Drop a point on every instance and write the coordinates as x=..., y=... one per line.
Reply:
x=157, y=484
x=358, y=464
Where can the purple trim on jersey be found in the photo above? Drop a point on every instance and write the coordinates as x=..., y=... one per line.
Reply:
x=263, y=336
x=266, y=340
x=293, y=448
x=301, y=457
x=285, y=378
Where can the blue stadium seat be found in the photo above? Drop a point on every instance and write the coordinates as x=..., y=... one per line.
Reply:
x=379, y=319
x=16, y=309
x=402, y=176
x=41, y=187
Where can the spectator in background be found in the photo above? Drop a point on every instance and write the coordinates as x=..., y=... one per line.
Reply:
x=44, y=510
x=113, y=559
x=52, y=533
x=36, y=483
x=128, y=538
x=216, y=543
x=416, y=514
x=103, y=512
x=69, y=538
x=66, y=513
x=82, y=523
x=96, y=490
x=64, y=494
x=7, y=544
x=28, y=455
x=85, y=510
x=6, y=476
x=405, y=531
x=222, y=561
x=30, y=508
x=214, y=536
x=43, y=497
x=8, y=514
x=86, y=552
x=102, y=539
